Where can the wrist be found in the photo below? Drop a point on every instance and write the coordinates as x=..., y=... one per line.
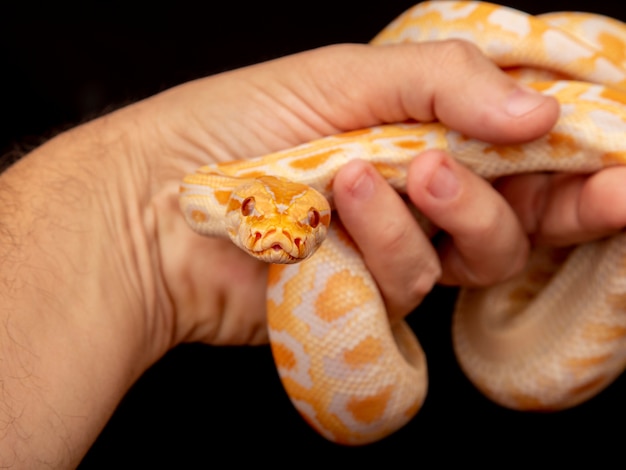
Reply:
x=80, y=308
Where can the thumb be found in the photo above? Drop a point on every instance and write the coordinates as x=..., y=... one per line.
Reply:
x=450, y=81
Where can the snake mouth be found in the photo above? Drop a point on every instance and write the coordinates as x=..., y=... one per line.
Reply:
x=276, y=254
x=278, y=247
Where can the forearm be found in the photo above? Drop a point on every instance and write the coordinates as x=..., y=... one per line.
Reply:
x=72, y=337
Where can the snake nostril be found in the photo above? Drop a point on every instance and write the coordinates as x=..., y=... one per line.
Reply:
x=257, y=236
x=298, y=242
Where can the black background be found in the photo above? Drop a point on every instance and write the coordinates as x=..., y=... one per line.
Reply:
x=199, y=405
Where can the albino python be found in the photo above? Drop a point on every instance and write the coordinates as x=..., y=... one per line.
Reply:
x=546, y=340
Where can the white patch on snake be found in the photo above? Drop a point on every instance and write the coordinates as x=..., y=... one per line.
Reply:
x=448, y=11
x=511, y=21
x=303, y=363
x=560, y=49
x=191, y=190
x=608, y=122
x=276, y=292
x=606, y=71
x=410, y=34
x=282, y=208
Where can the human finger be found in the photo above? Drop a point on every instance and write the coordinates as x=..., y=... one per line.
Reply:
x=398, y=254
x=295, y=99
x=485, y=242
x=451, y=81
x=565, y=209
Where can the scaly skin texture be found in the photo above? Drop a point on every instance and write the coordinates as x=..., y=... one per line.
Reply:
x=548, y=339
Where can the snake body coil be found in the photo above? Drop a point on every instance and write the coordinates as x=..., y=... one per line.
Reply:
x=548, y=339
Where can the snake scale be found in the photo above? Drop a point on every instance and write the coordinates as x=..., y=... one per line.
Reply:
x=548, y=339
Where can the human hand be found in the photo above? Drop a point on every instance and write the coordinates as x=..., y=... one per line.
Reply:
x=407, y=275
x=107, y=276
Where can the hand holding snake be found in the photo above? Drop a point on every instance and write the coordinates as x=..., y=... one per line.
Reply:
x=547, y=339
x=107, y=276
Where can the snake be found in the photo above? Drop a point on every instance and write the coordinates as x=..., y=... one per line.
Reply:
x=548, y=339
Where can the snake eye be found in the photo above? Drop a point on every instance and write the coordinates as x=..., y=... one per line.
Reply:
x=314, y=218
x=247, y=206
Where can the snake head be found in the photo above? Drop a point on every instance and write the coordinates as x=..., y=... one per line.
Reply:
x=276, y=220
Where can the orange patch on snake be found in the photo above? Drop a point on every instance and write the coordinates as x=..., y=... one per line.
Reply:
x=565, y=143
x=253, y=174
x=198, y=216
x=584, y=362
x=283, y=195
x=613, y=95
x=325, y=219
x=588, y=387
x=371, y=408
x=415, y=145
x=413, y=410
x=614, y=158
x=357, y=133
x=342, y=293
x=233, y=205
x=540, y=86
x=222, y=196
x=313, y=161
x=602, y=332
x=523, y=294
x=274, y=274
x=527, y=402
x=366, y=352
x=609, y=42
x=284, y=357
x=513, y=153
x=388, y=172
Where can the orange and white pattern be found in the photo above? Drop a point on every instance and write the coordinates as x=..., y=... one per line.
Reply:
x=548, y=339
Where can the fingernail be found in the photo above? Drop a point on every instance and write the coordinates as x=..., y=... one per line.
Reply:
x=443, y=183
x=363, y=186
x=522, y=101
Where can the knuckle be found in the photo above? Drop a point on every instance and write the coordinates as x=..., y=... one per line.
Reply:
x=458, y=52
x=411, y=268
x=416, y=283
x=395, y=237
x=427, y=276
x=488, y=269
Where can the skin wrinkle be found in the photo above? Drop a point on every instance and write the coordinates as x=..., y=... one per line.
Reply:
x=287, y=102
x=595, y=210
x=314, y=125
x=418, y=100
x=127, y=235
x=200, y=148
x=457, y=52
x=258, y=127
x=538, y=203
x=486, y=226
x=165, y=320
x=572, y=184
x=529, y=209
x=340, y=109
x=40, y=271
